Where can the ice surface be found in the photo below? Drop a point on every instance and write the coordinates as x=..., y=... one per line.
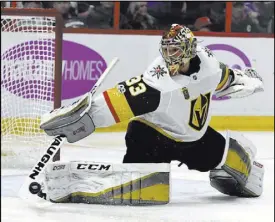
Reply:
x=192, y=197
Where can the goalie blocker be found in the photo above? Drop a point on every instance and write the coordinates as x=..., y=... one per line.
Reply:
x=105, y=183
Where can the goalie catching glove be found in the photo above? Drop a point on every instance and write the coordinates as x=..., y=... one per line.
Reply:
x=241, y=84
x=73, y=121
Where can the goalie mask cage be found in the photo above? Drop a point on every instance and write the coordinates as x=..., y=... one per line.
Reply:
x=31, y=78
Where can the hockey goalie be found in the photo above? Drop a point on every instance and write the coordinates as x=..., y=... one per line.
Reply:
x=169, y=110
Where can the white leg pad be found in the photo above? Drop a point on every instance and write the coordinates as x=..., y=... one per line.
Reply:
x=255, y=180
x=107, y=183
x=244, y=142
x=226, y=180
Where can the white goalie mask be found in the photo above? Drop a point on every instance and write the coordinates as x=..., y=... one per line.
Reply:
x=177, y=47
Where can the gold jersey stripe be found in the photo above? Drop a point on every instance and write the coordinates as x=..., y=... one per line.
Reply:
x=120, y=105
x=224, y=80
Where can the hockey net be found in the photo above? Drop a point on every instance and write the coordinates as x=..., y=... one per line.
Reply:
x=31, y=60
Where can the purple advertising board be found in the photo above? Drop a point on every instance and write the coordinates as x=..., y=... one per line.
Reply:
x=27, y=69
x=81, y=67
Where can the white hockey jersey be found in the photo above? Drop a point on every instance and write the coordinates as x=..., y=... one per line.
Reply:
x=177, y=106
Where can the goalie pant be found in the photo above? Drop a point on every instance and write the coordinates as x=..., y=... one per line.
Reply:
x=147, y=145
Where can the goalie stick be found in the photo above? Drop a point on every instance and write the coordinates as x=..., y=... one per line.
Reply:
x=30, y=191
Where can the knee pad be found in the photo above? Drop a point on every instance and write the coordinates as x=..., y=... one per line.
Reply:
x=238, y=174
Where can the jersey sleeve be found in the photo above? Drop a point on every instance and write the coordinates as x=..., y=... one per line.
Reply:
x=218, y=69
x=133, y=97
x=127, y=99
x=224, y=76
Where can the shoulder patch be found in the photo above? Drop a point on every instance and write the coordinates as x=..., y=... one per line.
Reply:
x=158, y=71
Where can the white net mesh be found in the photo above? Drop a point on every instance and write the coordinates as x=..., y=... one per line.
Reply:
x=27, y=81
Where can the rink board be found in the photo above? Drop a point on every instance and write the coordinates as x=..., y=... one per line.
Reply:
x=240, y=123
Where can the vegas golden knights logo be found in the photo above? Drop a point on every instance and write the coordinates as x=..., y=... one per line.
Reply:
x=199, y=111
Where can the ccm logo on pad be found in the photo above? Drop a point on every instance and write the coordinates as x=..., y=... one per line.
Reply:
x=60, y=167
x=83, y=166
x=258, y=164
